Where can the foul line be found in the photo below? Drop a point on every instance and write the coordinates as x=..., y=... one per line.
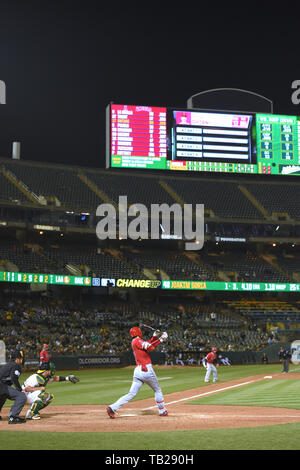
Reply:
x=204, y=394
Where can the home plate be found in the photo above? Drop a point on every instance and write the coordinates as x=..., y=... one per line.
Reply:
x=268, y=377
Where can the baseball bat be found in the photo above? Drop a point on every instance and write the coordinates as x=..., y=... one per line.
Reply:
x=150, y=327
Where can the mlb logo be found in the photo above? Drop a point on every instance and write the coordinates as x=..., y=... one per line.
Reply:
x=2, y=92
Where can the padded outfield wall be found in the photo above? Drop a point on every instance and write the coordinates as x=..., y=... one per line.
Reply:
x=158, y=358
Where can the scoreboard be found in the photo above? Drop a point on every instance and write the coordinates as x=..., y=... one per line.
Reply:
x=138, y=136
x=278, y=144
x=199, y=140
x=202, y=140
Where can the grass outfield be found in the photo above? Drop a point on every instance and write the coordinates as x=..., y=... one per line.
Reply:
x=103, y=386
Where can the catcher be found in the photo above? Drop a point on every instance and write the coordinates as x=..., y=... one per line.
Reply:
x=35, y=388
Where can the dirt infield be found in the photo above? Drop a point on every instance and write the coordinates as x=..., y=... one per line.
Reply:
x=182, y=415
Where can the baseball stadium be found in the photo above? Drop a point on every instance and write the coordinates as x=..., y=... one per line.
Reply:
x=149, y=230
x=62, y=286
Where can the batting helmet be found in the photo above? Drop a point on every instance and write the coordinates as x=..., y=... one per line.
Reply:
x=135, y=331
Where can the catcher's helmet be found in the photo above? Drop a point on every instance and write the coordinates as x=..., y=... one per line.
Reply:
x=135, y=331
x=44, y=366
x=47, y=366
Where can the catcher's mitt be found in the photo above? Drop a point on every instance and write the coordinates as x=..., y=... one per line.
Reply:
x=73, y=379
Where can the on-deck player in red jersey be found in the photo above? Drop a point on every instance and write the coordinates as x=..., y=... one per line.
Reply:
x=143, y=372
x=44, y=355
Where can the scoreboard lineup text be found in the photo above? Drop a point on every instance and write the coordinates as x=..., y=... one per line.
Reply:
x=193, y=140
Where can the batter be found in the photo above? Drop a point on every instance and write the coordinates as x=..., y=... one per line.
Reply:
x=143, y=372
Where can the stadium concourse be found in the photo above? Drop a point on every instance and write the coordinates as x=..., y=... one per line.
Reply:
x=48, y=226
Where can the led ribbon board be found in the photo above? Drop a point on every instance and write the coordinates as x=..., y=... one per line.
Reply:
x=36, y=278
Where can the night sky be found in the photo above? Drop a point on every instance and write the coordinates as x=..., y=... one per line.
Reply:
x=63, y=62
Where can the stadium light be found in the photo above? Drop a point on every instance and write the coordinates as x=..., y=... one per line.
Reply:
x=2, y=92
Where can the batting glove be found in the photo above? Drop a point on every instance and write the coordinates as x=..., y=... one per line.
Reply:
x=163, y=336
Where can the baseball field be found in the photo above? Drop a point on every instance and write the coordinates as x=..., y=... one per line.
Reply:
x=251, y=407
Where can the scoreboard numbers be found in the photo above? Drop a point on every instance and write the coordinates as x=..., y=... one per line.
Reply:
x=277, y=144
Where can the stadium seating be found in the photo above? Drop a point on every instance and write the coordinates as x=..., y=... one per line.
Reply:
x=210, y=264
x=18, y=257
x=98, y=263
x=56, y=182
x=224, y=198
x=138, y=189
x=242, y=266
x=291, y=263
x=101, y=326
x=82, y=188
x=8, y=192
x=279, y=197
x=174, y=264
x=269, y=312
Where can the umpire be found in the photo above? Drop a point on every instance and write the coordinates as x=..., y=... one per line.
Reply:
x=9, y=375
x=284, y=357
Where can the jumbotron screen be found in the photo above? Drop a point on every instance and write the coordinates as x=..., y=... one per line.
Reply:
x=148, y=137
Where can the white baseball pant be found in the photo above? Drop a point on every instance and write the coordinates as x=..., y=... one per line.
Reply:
x=210, y=368
x=139, y=378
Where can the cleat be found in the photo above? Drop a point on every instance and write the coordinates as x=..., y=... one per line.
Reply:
x=16, y=420
x=110, y=412
x=165, y=413
x=29, y=414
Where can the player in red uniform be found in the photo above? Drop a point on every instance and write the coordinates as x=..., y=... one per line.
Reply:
x=143, y=373
x=208, y=363
x=44, y=355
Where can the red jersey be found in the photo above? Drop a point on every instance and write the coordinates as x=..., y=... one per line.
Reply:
x=142, y=348
x=44, y=356
x=211, y=357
